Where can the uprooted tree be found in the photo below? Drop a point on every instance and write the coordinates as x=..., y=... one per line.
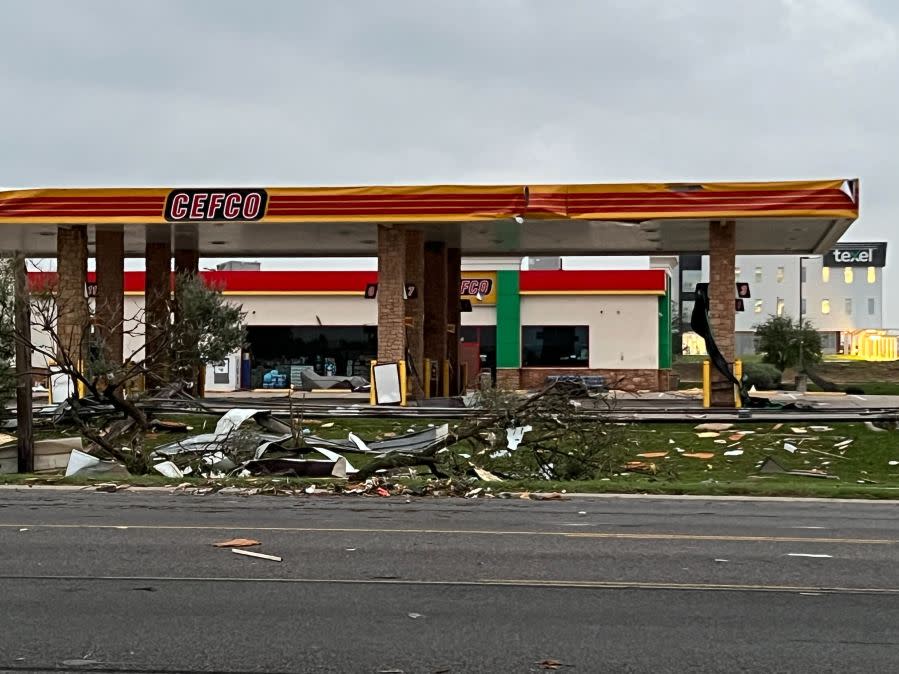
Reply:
x=105, y=402
x=554, y=434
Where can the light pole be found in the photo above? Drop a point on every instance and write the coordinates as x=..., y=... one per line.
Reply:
x=802, y=258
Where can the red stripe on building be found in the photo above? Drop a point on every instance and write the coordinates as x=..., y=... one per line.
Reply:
x=594, y=280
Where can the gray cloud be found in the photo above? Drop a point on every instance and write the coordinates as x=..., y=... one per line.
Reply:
x=452, y=91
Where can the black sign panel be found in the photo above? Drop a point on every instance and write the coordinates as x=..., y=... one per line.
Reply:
x=220, y=204
x=90, y=289
x=743, y=290
x=371, y=291
x=738, y=305
x=411, y=291
x=857, y=255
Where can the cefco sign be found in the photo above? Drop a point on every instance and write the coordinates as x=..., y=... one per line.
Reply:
x=857, y=255
x=204, y=205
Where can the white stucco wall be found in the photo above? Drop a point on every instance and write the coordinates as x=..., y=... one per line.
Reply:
x=623, y=329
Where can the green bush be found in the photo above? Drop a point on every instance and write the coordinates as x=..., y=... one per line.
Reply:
x=763, y=376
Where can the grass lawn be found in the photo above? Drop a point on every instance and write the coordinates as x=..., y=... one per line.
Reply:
x=862, y=466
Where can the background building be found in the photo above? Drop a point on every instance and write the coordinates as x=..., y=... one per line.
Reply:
x=841, y=293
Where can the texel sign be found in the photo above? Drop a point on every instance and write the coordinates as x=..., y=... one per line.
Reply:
x=857, y=255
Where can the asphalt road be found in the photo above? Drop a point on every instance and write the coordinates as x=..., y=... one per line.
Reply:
x=131, y=582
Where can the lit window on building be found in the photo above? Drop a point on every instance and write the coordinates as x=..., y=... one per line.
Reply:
x=872, y=306
x=757, y=308
x=825, y=274
x=780, y=306
x=737, y=272
x=872, y=274
x=780, y=274
x=825, y=306
x=848, y=306
x=758, y=274
x=848, y=275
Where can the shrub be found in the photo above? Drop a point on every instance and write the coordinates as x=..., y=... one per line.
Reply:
x=763, y=376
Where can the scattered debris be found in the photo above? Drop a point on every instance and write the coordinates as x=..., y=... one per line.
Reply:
x=237, y=543
x=713, y=426
x=791, y=448
x=653, y=455
x=550, y=496
x=871, y=427
x=415, y=616
x=258, y=555
x=550, y=664
x=733, y=452
x=722, y=561
x=515, y=435
x=800, y=431
x=486, y=475
x=110, y=487
x=769, y=465
x=820, y=429
x=169, y=469
x=807, y=554
x=49, y=455
x=708, y=434
x=700, y=455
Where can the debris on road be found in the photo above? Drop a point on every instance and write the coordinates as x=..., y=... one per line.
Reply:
x=237, y=543
x=111, y=487
x=700, y=455
x=515, y=435
x=708, y=434
x=653, y=455
x=415, y=616
x=258, y=555
x=733, y=452
x=550, y=664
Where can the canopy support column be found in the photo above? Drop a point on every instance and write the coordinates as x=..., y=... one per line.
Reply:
x=157, y=310
x=722, y=316
x=391, y=281
x=435, y=305
x=453, y=317
x=414, y=310
x=71, y=298
x=110, y=312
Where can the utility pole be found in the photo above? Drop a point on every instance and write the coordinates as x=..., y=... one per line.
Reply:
x=25, y=438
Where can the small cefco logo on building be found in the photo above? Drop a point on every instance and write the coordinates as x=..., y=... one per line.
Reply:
x=204, y=205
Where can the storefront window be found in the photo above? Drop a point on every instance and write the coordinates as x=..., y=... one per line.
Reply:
x=780, y=306
x=825, y=306
x=825, y=274
x=780, y=274
x=872, y=274
x=848, y=275
x=758, y=307
x=555, y=346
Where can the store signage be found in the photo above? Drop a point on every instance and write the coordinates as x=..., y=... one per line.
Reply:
x=857, y=255
x=205, y=205
x=410, y=291
x=743, y=290
x=739, y=305
x=90, y=289
x=478, y=286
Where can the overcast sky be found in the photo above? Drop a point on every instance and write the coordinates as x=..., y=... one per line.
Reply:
x=419, y=91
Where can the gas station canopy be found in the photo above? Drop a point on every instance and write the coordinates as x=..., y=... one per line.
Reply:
x=633, y=219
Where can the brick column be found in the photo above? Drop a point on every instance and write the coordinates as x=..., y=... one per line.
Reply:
x=453, y=316
x=391, y=306
x=722, y=253
x=415, y=274
x=435, y=301
x=110, y=313
x=187, y=261
x=157, y=297
x=71, y=301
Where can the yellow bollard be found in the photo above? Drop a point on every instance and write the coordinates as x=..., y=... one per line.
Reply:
x=372, y=398
x=706, y=384
x=738, y=373
x=403, y=383
x=445, y=378
x=427, y=377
